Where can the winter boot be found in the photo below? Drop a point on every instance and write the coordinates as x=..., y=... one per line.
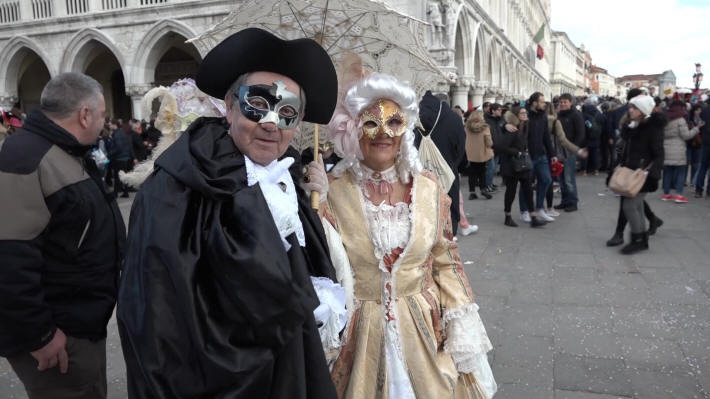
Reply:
x=655, y=223
x=509, y=221
x=639, y=242
x=536, y=222
x=617, y=239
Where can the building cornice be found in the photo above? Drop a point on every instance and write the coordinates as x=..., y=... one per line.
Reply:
x=103, y=19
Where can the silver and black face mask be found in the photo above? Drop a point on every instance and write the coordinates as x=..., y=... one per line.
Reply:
x=263, y=104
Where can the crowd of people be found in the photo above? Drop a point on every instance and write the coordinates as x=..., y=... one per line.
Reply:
x=232, y=282
x=536, y=145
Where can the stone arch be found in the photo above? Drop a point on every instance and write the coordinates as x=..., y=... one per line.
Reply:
x=479, y=50
x=15, y=51
x=503, y=63
x=159, y=39
x=94, y=53
x=490, y=75
x=80, y=51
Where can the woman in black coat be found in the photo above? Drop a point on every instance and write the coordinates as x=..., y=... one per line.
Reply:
x=643, y=148
x=510, y=145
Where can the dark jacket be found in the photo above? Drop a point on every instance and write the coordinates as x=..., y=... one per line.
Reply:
x=539, y=141
x=705, y=130
x=211, y=304
x=61, y=239
x=140, y=151
x=510, y=144
x=643, y=146
x=121, y=146
x=594, y=122
x=449, y=137
x=573, y=124
x=495, y=123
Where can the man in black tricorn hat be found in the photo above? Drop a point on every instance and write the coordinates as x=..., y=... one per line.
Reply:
x=216, y=299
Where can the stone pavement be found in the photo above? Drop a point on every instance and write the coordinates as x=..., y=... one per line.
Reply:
x=570, y=318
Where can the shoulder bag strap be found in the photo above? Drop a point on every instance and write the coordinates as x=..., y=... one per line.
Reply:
x=435, y=122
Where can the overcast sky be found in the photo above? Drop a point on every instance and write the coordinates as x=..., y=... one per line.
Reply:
x=640, y=36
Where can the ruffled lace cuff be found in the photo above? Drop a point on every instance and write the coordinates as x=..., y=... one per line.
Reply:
x=333, y=295
x=467, y=342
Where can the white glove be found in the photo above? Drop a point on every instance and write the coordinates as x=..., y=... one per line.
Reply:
x=316, y=178
x=322, y=314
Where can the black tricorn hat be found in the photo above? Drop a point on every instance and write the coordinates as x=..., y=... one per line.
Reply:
x=254, y=49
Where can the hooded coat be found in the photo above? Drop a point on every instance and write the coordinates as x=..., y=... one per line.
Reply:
x=449, y=137
x=211, y=305
x=643, y=148
x=479, y=144
x=675, y=135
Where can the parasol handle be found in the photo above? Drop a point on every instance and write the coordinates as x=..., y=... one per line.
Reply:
x=315, y=195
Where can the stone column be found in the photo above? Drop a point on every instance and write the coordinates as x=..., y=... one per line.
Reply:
x=460, y=96
x=59, y=8
x=95, y=6
x=460, y=92
x=136, y=92
x=490, y=95
x=478, y=93
x=26, y=11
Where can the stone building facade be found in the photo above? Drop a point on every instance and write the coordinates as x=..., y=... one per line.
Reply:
x=563, y=78
x=130, y=46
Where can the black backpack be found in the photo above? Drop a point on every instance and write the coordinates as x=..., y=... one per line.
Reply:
x=593, y=129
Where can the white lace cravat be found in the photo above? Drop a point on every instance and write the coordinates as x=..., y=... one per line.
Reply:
x=280, y=193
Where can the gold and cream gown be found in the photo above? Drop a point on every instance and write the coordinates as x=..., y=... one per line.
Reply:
x=414, y=329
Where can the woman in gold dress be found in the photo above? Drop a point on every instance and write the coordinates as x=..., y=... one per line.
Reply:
x=413, y=329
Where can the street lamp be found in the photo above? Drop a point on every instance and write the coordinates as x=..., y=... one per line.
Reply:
x=697, y=76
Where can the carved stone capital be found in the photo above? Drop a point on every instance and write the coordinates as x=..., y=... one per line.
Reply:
x=138, y=90
x=8, y=100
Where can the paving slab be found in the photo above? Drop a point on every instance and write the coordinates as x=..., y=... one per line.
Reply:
x=569, y=317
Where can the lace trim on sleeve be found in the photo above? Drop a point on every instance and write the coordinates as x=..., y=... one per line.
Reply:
x=467, y=342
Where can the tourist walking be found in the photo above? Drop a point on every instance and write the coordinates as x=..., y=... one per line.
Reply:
x=572, y=123
x=479, y=150
x=705, y=155
x=513, y=143
x=675, y=136
x=643, y=149
x=541, y=152
x=61, y=244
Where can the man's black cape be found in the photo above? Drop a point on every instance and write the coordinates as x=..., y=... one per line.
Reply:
x=211, y=305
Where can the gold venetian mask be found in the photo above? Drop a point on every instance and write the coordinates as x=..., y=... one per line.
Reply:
x=384, y=116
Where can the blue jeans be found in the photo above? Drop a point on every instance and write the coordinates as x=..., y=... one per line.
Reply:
x=693, y=156
x=704, y=168
x=541, y=171
x=673, y=178
x=491, y=170
x=568, y=184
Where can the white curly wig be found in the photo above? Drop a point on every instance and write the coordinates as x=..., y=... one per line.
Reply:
x=345, y=128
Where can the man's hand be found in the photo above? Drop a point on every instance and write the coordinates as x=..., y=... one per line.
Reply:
x=583, y=153
x=511, y=128
x=54, y=353
x=317, y=179
x=553, y=160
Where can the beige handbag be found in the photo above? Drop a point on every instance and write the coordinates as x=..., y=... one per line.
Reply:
x=628, y=182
